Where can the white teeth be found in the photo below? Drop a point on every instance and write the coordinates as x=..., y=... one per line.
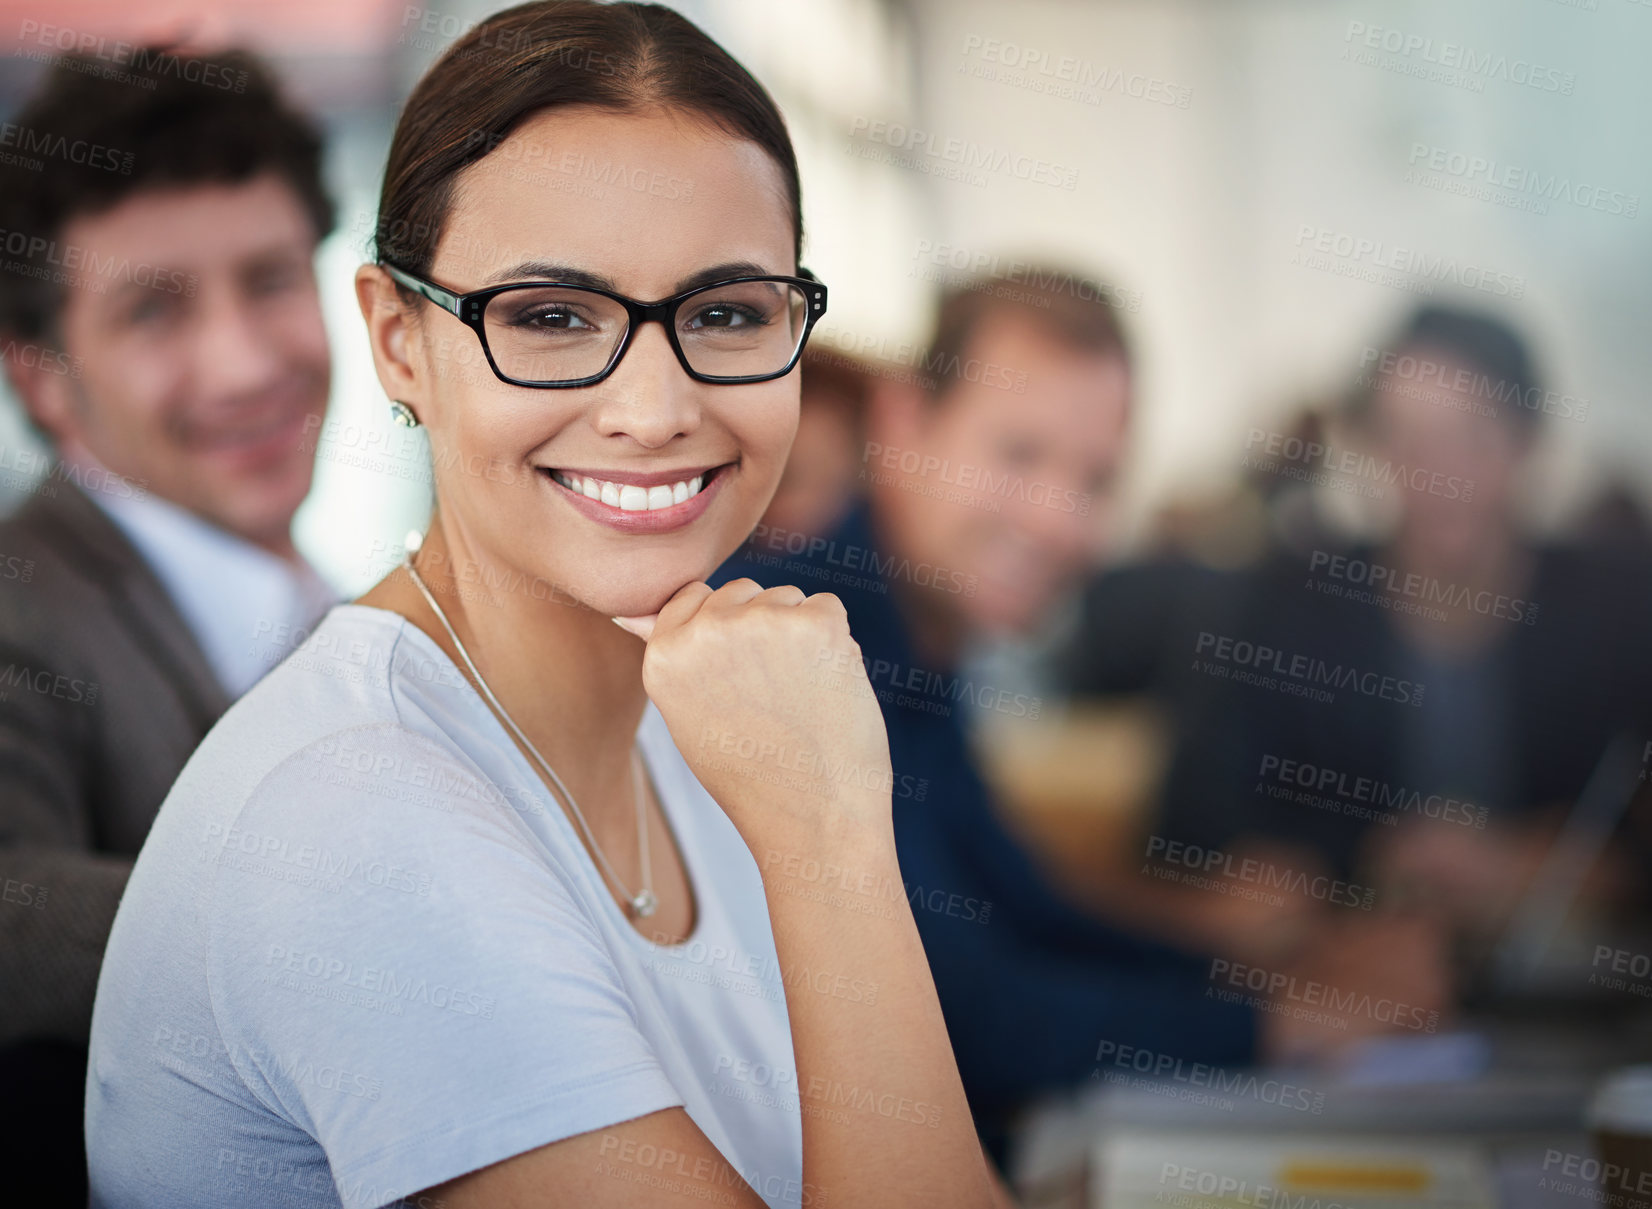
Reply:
x=627, y=496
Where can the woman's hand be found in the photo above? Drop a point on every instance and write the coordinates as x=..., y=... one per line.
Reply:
x=767, y=699
x=766, y=696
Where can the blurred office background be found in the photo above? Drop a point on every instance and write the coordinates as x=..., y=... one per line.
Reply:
x=1267, y=188
x=1193, y=212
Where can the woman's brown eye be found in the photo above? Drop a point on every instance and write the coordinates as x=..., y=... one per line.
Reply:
x=724, y=316
x=558, y=320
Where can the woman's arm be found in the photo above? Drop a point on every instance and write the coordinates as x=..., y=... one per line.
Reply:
x=753, y=683
x=885, y=1121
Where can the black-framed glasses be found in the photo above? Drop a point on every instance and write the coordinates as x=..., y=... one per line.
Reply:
x=550, y=335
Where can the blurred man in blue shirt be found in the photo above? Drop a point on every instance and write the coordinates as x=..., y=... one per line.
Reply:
x=988, y=472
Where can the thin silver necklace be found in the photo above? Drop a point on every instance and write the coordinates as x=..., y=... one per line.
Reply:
x=642, y=903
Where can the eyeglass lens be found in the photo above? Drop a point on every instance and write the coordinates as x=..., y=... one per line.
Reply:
x=545, y=334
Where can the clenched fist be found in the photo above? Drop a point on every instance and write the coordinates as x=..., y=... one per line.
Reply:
x=766, y=696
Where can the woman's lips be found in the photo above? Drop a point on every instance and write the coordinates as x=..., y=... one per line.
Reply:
x=634, y=493
x=624, y=505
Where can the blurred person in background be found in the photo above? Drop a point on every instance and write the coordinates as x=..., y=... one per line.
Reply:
x=162, y=328
x=990, y=476
x=1535, y=652
x=819, y=482
x=1528, y=657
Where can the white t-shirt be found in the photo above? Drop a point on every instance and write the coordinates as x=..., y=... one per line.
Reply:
x=363, y=952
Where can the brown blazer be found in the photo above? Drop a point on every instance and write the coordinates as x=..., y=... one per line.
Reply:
x=104, y=693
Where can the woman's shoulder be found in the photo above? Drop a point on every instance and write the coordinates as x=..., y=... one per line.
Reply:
x=357, y=659
x=338, y=673
x=366, y=727
x=360, y=670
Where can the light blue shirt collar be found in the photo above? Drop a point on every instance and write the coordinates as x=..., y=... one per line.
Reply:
x=245, y=606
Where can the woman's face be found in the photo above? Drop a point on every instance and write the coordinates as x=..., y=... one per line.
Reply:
x=648, y=206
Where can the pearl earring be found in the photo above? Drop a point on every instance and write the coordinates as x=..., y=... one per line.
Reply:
x=403, y=414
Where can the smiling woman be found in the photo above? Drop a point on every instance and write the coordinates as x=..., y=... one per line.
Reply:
x=478, y=898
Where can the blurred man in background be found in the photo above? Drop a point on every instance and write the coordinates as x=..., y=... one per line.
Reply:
x=989, y=472
x=1529, y=656
x=161, y=325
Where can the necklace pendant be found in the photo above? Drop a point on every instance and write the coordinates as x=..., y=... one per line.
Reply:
x=645, y=904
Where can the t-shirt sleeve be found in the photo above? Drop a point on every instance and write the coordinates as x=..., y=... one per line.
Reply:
x=400, y=969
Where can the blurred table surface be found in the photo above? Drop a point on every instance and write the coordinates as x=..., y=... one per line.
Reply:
x=1075, y=783
x=1076, y=786
x=1511, y=1098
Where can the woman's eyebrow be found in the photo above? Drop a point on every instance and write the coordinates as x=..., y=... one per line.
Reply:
x=721, y=272
x=545, y=270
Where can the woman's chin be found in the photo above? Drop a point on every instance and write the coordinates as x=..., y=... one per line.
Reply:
x=634, y=603
x=634, y=590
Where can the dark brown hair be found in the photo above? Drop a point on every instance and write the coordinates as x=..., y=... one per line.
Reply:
x=1504, y=376
x=91, y=137
x=1075, y=310
x=553, y=53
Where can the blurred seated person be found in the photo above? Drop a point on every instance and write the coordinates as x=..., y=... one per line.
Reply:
x=819, y=481
x=1467, y=674
x=989, y=478
x=176, y=375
